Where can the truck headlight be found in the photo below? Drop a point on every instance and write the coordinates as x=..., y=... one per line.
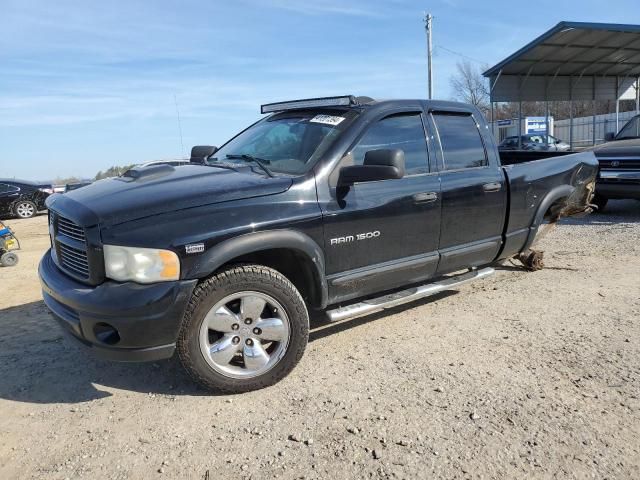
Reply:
x=141, y=265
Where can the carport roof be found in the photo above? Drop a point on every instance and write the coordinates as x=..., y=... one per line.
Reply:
x=577, y=49
x=572, y=61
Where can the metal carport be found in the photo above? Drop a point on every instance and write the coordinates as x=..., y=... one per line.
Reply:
x=571, y=61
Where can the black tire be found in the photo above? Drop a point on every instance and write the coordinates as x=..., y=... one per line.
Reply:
x=9, y=259
x=600, y=202
x=25, y=209
x=234, y=280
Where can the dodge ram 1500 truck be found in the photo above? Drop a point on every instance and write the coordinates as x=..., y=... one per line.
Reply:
x=344, y=205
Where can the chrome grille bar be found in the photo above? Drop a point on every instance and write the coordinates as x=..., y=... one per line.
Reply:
x=74, y=260
x=70, y=229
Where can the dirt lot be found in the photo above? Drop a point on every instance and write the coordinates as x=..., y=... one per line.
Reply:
x=525, y=375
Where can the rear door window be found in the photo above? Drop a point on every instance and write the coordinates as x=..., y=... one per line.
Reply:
x=462, y=146
x=631, y=129
x=6, y=188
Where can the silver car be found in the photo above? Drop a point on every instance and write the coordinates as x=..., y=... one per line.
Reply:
x=535, y=142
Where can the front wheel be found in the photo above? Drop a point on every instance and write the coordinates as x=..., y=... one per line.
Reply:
x=245, y=328
x=25, y=209
x=9, y=259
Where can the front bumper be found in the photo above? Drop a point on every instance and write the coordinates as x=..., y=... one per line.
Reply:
x=618, y=190
x=119, y=321
x=618, y=182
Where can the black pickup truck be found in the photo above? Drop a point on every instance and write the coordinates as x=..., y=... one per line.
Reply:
x=619, y=158
x=344, y=205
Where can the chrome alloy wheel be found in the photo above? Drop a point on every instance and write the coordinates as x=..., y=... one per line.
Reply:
x=25, y=210
x=245, y=334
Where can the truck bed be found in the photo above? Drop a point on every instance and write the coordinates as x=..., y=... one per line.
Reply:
x=537, y=181
x=512, y=157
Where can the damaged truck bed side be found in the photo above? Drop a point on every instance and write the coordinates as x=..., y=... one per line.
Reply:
x=345, y=205
x=556, y=194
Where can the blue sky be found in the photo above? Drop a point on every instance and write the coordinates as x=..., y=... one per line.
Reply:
x=88, y=84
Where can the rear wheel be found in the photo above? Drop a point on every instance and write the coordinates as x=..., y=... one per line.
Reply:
x=244, y=329
x=600, y=202
x=8, y=259
x=25, y=209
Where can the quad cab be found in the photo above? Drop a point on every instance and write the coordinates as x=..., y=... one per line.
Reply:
x=343, y=205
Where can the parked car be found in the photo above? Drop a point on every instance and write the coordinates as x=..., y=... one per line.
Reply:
x=23, y=198
x=619, y=158
x=536, y=142
x=341, y=204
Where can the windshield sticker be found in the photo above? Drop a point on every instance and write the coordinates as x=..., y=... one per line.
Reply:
x=327, y=119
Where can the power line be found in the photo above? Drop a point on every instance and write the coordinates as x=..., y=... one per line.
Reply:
x=481, y=62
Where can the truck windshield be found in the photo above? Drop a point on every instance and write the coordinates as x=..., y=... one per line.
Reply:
x=630, y=130
x=288, y=142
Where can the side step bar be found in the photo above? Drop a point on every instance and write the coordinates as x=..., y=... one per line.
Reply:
x=405, y=296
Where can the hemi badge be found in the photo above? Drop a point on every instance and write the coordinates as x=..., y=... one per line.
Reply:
x=194, y=248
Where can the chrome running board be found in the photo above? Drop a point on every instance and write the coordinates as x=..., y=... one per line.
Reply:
x=405, y=296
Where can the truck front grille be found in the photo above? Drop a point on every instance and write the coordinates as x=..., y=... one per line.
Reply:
x=619, y=163
x=73, y=260
x=70, y=229
x=75, y=252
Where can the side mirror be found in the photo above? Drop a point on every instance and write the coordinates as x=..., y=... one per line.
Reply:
x=200, y=153
x=609, y=136
x=378, y=165
x=558, y=142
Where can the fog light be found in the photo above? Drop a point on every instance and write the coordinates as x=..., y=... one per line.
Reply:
x=106, y=333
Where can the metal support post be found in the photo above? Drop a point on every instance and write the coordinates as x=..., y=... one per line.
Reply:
x=593, y=105
x=546, y=120
x=520, y=125
x=570, y=113
x=617, y=105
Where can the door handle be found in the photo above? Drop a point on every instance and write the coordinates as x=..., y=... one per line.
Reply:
x=492, y=187
x=425, y=197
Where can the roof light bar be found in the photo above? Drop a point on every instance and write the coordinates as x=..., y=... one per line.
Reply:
x=343, y=101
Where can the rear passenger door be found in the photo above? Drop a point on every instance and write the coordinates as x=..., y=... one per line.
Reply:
x=473, y=192
x=8, y=195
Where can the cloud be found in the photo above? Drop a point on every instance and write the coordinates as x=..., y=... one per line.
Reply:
x=321, y=7
x=63, y=93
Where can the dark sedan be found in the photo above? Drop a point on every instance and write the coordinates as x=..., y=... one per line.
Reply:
x=534, y=142
x=22, y=198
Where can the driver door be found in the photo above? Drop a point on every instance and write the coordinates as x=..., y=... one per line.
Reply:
x=383, y=234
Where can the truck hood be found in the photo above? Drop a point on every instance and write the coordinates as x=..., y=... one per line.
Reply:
x=618, y=148
x=117, y=200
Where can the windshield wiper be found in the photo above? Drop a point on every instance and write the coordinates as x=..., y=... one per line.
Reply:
x=218, y=164
x=250, y=158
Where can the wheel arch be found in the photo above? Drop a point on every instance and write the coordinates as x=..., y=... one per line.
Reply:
x=553, y=197
x=294, y=254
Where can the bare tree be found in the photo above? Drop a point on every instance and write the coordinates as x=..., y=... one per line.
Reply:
x=469, y=86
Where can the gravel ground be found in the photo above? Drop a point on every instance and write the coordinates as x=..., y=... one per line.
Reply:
x=524, y=375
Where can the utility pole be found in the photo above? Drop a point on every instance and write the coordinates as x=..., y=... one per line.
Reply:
x=175, y=100
x=428, y=19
